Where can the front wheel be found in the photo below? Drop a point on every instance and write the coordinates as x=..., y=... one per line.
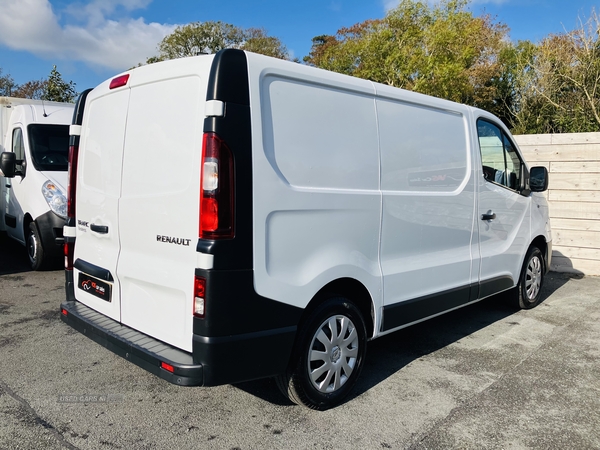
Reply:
x=328, y=357
x=35, y=250
x=529, y=289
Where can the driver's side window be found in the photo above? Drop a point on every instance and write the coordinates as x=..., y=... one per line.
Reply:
x=501, y=163
x=18, y=148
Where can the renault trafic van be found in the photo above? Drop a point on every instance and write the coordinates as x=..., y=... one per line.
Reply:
x=235, y=216
x=34, y=148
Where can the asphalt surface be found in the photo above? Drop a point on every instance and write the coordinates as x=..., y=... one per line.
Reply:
x=485, y=376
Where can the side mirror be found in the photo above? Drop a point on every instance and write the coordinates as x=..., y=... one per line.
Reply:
x=8, y=162
x=538, y=179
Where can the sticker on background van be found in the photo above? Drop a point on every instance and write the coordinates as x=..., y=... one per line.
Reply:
x=94, y=286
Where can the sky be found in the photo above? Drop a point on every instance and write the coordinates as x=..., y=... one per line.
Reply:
x=91, y=40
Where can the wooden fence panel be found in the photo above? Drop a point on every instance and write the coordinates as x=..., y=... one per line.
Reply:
x=576, y=167
x=573, y=210
x=573, y=161
x=574, y=181
x=578, y=252
x=575, y=196
x=561, y=153
x=578, y=239
x=575, y=224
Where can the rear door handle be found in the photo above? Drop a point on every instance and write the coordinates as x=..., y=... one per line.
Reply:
x=488, y=216
x=102, y=229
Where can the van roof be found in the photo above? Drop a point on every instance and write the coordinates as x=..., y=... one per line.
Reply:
x=14, y=101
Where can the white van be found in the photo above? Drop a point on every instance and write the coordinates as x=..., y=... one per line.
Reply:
x=33, y=176
x=235, y=216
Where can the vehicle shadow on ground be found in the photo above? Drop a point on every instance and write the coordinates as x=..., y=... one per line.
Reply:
x=389, y=354
x=13, y=256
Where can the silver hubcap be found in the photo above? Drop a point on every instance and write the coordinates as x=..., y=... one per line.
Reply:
x=333, y=354
x=533, y=278
x=32, y=247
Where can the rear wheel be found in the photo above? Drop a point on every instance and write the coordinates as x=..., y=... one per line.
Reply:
x=35, y=251
x=529, y=289
x=328, y=357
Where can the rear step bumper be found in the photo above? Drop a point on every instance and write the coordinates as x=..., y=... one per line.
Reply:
x=139, y=348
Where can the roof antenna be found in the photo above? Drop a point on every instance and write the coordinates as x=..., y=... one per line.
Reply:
x=44, y=108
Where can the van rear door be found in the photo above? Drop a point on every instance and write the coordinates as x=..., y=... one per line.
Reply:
x=159, y=206
x=97, y=200
x=138, y=198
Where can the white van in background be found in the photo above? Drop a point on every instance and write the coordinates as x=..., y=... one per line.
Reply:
x=34, y=150
x=235, y=216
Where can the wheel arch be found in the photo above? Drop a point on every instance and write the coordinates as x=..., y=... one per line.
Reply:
x=299, y=383
x=350, y=289
x=540, y=242
x=27, y=219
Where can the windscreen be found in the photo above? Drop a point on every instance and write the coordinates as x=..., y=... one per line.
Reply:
x=49, y=146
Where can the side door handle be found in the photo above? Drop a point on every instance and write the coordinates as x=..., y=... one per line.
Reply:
x=102, y=229
x=488, y=216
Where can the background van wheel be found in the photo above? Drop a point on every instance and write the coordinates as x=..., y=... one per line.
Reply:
x=529, y=289
x=328, y=356
x=35, y=251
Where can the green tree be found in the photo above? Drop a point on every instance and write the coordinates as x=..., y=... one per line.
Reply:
x=440, y=49
x=210, y=37
x=560, y=93
x=7, y=85
x=516, y=77
x=57, y=89
x=256, y=40
x=31, y=89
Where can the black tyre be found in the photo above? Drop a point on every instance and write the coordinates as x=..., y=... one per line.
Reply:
x=328, y=357
x=529, y=289
x=35, y=250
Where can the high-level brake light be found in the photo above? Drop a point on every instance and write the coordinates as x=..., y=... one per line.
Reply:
x=119, y=81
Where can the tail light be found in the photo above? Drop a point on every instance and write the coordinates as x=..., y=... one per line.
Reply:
x=73, y=156
x=70, y=226
x=216, y=189
x=199, y=297
x=69, y=248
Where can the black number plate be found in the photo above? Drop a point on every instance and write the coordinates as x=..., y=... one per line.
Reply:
x=94, y=286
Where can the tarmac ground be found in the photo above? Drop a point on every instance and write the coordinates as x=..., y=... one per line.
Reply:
x=485, y=376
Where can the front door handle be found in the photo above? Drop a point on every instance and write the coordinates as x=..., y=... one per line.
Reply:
x=488, y=216
x=102, y=229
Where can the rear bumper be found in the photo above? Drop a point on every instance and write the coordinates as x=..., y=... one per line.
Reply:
x=140, y=349
x=214, y=361
x=244, y=357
